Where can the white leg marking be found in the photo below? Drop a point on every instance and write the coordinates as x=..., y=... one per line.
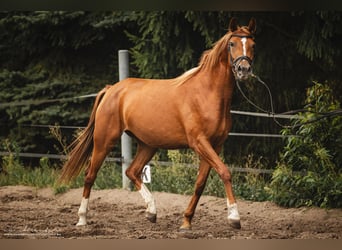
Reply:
x=145, y=193
x=233, y=213
x=82, y=212
x=244, y=40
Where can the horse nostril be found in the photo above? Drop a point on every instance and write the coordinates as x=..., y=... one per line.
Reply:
x=246, y=69
x=239, y=68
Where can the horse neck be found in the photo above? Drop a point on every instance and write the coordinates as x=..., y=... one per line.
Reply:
x=219, y=80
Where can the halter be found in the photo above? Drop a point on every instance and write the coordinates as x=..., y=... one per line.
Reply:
x=239, y=58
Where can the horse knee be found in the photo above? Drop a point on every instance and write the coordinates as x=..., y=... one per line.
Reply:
x=225, y=176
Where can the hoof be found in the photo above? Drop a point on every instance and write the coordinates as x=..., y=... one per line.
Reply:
x=186, y=226
x=185, y=232
x=81, y=223
x=151, y=217
x=183, y=229
x=235, y=224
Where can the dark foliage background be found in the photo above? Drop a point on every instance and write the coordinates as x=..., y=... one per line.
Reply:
x=54, y=54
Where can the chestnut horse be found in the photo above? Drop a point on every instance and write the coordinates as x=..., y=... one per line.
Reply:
x=192, y=110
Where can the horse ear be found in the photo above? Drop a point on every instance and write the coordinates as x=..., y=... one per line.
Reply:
x=233, y=24
x=252, y=25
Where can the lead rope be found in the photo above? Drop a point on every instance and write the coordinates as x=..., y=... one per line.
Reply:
x=273, y=114
x=270, y=113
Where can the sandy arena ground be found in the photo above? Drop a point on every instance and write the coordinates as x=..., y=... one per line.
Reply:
x=29, y=213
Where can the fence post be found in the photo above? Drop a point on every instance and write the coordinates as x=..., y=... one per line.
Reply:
x=126, y=141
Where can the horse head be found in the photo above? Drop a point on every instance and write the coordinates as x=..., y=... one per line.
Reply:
x=241, y=48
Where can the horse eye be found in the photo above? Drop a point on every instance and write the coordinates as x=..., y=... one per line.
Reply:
x=231, y=44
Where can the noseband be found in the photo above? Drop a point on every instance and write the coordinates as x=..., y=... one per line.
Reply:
x=237, y=60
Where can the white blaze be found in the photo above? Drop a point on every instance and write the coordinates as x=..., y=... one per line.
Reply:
x=244, y=40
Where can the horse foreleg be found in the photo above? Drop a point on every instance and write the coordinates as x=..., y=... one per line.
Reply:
x=202, y=146
x=201, y=180
x=143, y=156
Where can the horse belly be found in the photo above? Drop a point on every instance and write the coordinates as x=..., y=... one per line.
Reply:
x=158, y=131
x=154, y=120
x=166, y=141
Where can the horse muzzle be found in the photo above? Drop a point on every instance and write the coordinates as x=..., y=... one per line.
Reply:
x=242, y=68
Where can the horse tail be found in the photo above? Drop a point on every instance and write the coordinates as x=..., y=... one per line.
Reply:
x=82, y=146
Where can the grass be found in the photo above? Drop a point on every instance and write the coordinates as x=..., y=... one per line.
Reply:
x=13, y=173
x=173, y=179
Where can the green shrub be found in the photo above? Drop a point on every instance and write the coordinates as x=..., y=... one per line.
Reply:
x=109, y=176
x=177, y=178
x=309, y=169
x=251, y=184
x=13, y=173
x=181, y=179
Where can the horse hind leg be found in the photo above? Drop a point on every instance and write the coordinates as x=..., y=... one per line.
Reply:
x=134, y=171
x=103, y=144
x=91, y=173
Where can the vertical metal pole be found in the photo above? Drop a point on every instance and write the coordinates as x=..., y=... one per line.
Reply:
x=126, y=141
